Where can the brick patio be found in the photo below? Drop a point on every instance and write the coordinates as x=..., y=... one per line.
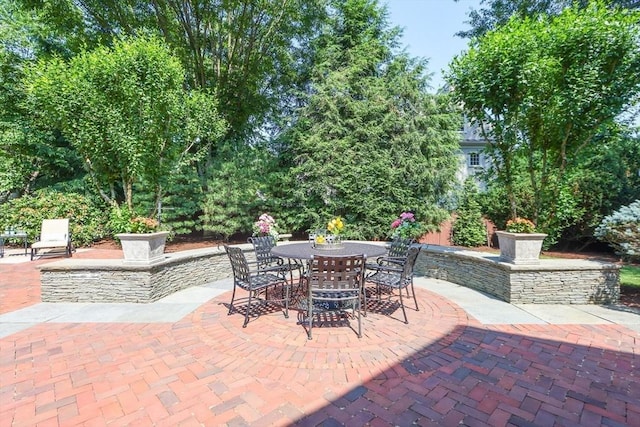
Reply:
x=444, y=368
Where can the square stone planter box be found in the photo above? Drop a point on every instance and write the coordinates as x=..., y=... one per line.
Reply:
x=143, y=248
x=520, y=248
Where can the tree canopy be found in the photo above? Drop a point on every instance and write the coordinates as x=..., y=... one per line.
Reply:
x=495, y=13
x=369, y=139
x=542, y=88
x=127, y=113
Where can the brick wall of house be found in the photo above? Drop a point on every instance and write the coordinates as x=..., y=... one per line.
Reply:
x=443, y=237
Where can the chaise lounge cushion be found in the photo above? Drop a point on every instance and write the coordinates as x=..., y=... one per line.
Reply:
x=54, y=234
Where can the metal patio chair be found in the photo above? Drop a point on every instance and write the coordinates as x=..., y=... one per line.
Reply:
x=266, y=262
x=397, y=253
x=256, y=283
x=334, y=286
x=389, y=278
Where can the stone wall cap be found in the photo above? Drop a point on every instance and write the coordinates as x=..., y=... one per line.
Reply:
x=544, y=264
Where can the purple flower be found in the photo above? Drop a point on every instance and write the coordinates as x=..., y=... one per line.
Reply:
x=407, y=216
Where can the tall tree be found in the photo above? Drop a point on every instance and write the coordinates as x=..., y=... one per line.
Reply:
x=244, y=51
x=126, y=112
x=30, y=156
x=370, y=142
x=542, y=89
x=497, y=12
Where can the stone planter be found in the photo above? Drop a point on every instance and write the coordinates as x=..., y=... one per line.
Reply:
x=143, y=248
x=520, y=248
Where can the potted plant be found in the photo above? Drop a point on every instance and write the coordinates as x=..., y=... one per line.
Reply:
x=266, y=226
x=519, y=243
x=406, y=226
x=142, y=240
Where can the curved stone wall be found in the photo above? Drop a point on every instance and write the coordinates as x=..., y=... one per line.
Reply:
x=111, y=280
x=552, y=281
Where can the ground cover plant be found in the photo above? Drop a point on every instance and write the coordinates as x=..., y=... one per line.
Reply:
x=630, y=276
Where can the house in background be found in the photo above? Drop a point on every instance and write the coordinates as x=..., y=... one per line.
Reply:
x=473, y=160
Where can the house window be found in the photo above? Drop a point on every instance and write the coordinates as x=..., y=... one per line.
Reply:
x=474, y=159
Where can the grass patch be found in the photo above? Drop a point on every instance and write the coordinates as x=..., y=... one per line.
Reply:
x=630, y=276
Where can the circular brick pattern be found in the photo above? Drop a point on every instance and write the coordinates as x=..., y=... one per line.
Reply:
x=271, y=339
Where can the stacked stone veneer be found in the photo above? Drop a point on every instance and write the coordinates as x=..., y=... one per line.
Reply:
x=552, y=281
x=112, y=280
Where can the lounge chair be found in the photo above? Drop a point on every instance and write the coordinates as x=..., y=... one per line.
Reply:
x=54, y=234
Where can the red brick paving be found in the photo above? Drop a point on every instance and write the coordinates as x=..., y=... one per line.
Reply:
x=444, y=368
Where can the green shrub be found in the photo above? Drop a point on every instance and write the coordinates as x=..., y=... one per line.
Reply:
x=621, y=230
x=86, y=220
x=468, y=228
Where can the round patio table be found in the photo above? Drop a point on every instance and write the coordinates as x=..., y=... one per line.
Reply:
x=305, y=250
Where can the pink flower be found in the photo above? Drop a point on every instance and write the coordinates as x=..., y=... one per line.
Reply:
x=396, y=223
x=408, y=216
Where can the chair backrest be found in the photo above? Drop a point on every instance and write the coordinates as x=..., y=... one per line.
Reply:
x=399, y=247
x=412, y=256
x=239, y=264
x=262, y=246
x=54, y=229
x=336, y=272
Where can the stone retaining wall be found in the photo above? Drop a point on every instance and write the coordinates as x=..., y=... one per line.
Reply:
x=553, y=281
x=111, y=280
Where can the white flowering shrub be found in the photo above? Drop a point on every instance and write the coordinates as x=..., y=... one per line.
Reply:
x=621, y=230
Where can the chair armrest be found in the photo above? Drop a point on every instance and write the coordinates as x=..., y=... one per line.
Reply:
x=391, y=260
x=387, y=268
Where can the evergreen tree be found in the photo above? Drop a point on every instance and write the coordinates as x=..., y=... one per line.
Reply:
x=370, y=142
x=469, y=228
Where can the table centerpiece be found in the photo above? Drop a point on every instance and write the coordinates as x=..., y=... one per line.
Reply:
x=331, y=237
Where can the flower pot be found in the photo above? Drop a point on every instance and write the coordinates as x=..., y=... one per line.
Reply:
x=520, y=248
x=143, y=248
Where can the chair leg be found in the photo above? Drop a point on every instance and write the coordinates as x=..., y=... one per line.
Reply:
x=364, y=299
x=286, y=298
x=415, y=300
x=309, y=318
x=246, y=313
x=402, y=306
x=359, y=318
x=233, y=297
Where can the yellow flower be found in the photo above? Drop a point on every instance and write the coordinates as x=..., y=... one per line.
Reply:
x=320, y=239
x=335, y=226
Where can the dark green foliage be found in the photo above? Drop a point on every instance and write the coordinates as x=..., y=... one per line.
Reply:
x=547, y=90
x=469, y=228
x=238, y=191
x=86, y=219
x=244, y=51
x=31, y=156
x=497, y=12
x=369, y=142
x=125, y=109
x=182, y=203
x=603, y=176
x=621, y=230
